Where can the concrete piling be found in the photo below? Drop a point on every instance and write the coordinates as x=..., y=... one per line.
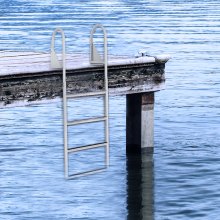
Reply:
x=140, y=122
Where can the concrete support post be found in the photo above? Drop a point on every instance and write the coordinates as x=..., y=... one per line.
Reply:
x=140, y=122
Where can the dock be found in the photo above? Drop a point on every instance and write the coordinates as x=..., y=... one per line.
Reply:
x=28, y=77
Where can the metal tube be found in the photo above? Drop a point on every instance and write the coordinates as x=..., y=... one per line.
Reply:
x=106, y=98
x=106, y=84
x=65, y=116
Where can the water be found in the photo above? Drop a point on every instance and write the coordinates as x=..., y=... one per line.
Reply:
x=182, y=180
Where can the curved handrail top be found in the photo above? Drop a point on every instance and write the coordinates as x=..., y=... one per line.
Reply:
x=98, y=26
x=53, y=38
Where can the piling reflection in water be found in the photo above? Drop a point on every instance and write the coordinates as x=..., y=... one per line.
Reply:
x=140, y=187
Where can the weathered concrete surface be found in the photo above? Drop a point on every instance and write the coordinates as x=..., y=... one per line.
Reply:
x=32, y=81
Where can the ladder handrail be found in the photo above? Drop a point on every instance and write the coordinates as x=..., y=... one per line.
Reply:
x=56, y=62
x=105, y=41
x=106, y=80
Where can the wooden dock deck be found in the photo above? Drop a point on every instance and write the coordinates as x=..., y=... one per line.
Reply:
x=28, y=76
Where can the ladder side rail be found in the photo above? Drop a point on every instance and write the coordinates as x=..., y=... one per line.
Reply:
x=65, y=116
x=106, y=103
x=106, y=98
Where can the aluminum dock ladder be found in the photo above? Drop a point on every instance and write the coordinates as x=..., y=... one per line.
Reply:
x=95, y=59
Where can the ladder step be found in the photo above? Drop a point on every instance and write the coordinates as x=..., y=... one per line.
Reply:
x=86, y=173
x=86, y=147
x=86, y=94
x=84, y=121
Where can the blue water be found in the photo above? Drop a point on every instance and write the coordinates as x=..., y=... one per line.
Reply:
x=182, y=180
